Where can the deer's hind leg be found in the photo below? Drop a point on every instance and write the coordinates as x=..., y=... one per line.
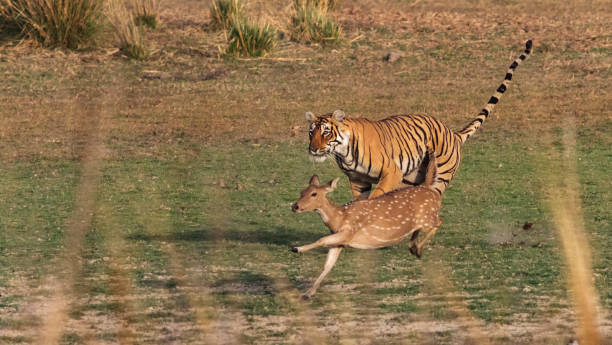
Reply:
x=417, y=249
x=413, y=239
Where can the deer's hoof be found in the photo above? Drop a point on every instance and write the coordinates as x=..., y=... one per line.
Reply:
x=295, y=250
x=305, y=297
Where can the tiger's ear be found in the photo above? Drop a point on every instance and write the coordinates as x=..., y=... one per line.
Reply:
x=310, y=117
x=332, y=184
x=314, y=180
x=338, y=115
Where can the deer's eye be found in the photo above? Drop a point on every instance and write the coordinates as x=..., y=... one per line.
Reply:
x=313, y=194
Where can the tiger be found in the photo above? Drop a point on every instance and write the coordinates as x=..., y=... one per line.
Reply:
x=392, y=152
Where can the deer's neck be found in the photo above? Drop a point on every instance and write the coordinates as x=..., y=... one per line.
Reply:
x=332, y=215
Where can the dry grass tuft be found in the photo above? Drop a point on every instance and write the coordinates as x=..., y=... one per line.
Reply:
x=129, y=34
x=248, y=38
x=146, y=13
x=322, y=4
x=55, y=23
x=222, y=11
x=8, y=17
x=310, y=23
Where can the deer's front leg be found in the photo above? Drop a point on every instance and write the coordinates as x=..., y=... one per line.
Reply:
x=332, y=256
x=336, y=239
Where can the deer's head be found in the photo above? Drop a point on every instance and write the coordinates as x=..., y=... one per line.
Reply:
x=314, y=196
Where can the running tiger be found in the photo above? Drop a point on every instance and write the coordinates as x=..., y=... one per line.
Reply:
x=392, y=152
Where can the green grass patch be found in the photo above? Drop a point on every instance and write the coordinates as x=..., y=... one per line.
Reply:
x=71, y=339
x=227, y=210
x=36, y=199
x=405, y=307
x=504, y=267
x=14, y=340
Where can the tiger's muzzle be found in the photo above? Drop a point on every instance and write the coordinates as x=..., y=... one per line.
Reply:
x=318, y=155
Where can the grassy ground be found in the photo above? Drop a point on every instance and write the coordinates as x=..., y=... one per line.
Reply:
x=148, y=202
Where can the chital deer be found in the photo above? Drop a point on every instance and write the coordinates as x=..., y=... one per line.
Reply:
x=374, y=223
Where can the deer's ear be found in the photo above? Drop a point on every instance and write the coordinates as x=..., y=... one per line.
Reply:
x=332, y=184
x=339, y=115
x=310, y=117
x=314, y=180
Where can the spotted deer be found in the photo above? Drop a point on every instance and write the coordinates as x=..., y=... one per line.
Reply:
x=373, y=223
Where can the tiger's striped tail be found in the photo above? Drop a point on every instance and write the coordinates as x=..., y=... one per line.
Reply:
x=473, y=126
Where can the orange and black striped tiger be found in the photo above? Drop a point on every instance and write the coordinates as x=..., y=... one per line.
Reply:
x=392, y=152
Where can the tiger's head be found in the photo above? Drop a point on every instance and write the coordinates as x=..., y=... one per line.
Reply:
x=328, y=135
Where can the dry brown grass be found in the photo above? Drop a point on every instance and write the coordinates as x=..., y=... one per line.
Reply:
x=565, y=203
x=55, y=23
x=222, y=12
x=131, y=40
x=146, y=12
x=55, y=314
x=68, y=264
x=551, y=86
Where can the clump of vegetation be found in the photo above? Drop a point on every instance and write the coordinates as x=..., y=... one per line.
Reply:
x=321, y=4
x=127, y=32
x=8, y=20
x=248, y=38
x=222, y=12
x=54, y=23
x=312, y=24
x=146, y=13
x=245, y=37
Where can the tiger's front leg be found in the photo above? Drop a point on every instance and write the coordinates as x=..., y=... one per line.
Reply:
x=388, y=182
x=360, y=189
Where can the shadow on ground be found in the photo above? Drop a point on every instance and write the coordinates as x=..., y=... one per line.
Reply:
x=279, y=236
